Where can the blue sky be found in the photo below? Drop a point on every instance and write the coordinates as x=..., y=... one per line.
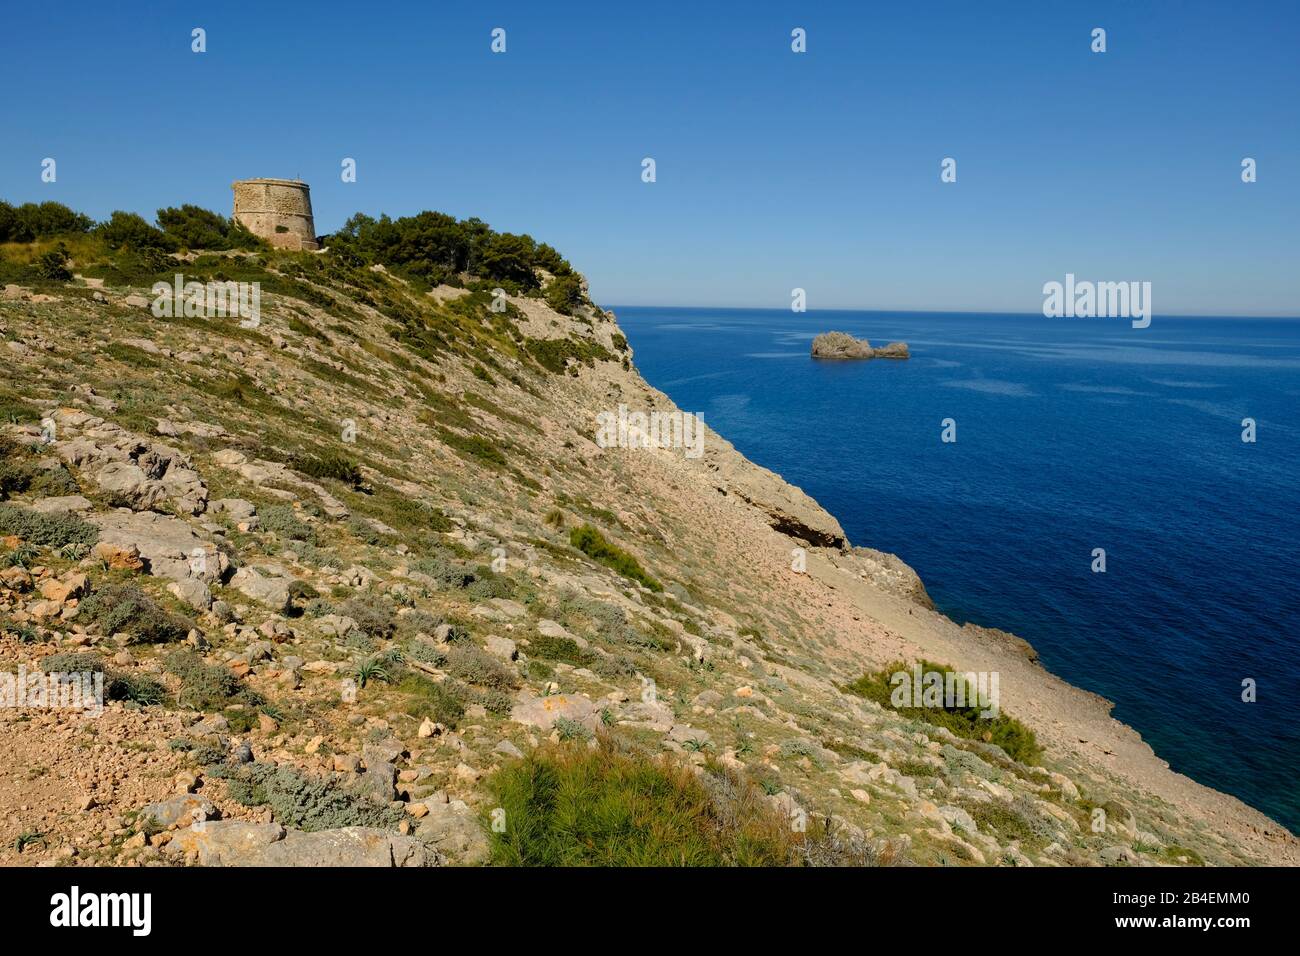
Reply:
x=775, y=169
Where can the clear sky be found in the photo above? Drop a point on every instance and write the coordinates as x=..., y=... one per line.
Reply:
x=774, y=169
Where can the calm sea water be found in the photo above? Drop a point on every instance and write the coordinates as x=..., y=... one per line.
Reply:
x=1072, y=434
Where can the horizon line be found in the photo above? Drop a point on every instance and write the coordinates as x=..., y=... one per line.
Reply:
x=915, y=311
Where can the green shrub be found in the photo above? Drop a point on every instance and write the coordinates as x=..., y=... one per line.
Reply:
x=21, y=472
x=1173, y=853
x=474, y=666
x=487, y=584
x=118, y=608
x=50, y=531
x=72, y=662
x=207, y=686
x=564, y=649
x=473, y=447
x=374, y=615
x=964, y=721
x=118, y=685
x=130, y=686
x=418, y=622
x=329, y=465
x=427, y=698
x=570, y=805
x=440, y=566
x=553, y=354
x=284, y=521
x=592, y=543
x=415, y=514
x=302, y=802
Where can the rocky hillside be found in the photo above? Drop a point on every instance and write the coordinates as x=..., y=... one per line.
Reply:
x=362, y=586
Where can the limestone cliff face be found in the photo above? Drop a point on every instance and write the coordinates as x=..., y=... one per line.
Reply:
x=343, y=475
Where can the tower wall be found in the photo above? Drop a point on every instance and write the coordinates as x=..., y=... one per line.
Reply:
x=277, y=210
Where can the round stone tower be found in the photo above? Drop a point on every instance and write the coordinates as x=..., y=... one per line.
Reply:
x=277, y=210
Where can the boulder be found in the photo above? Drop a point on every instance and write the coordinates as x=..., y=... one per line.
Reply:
x=501, y=647
x=347, y=846
x=269, y=585
x=192, y=591
x=168, y=547
x=454, y=830
x=62, y=504
x=185, y=808
x=237, y=508
x=543, y=712
x=60, y=590
x=127, y=484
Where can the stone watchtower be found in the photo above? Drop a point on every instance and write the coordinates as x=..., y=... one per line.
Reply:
x=277, y=210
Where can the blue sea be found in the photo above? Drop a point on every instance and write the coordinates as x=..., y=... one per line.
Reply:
x=1072, y=434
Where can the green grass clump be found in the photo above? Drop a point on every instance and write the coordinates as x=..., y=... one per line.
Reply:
x=51, y=531
x=571, y=805
x=329, y=465
x=1173, y=852
x=422, y=697
x=474, y=448
x=592, y=543
x=124, y=608
x=564, y=649
x=1011, y=735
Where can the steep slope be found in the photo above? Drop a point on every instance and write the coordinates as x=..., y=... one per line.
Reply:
x=335, y=555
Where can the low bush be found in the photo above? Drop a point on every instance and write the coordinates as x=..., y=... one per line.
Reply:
x=374, y=616
x=564, y=649
x=474, y=448
x=302, y=802
x=50, y=531
x=443, y=568
x=207, y=686
x=124, y=608
x=284, y=521
x=423, y=698
x=329, y=465
x=571, y=805
x=118, y=685
x=964, y=721
x=474, y=666
x=592, y=543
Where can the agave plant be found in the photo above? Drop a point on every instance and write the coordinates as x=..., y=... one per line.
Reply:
x=371, y=668
x=74, y=551
x=23, y=555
